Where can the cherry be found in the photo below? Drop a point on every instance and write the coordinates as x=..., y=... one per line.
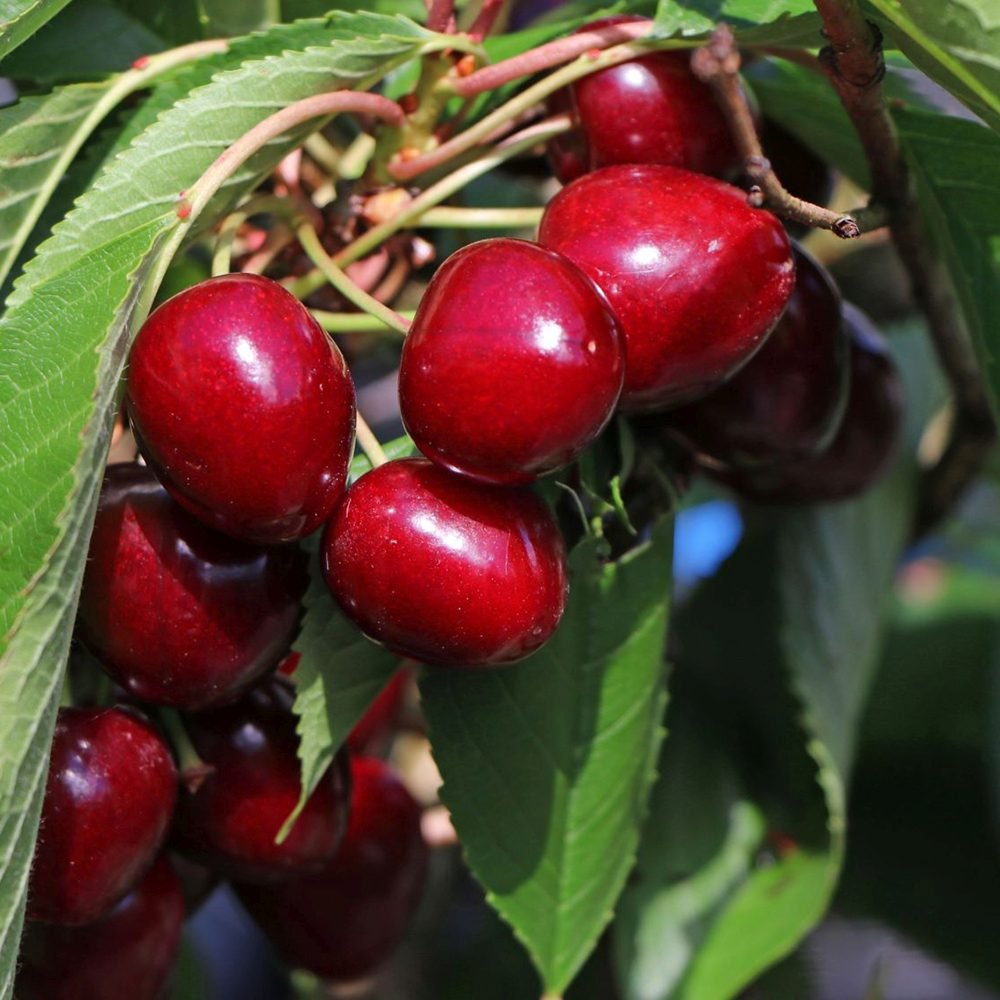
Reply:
x=787, y=402
x=652, y=109
x=344, y=922
x=177, y=613
x=444, y=569
x=243, y=407
x=129, y=952
x=229, y=820
x=550, y=343
x=696, y=276
x=864, y=445
x=109, y=797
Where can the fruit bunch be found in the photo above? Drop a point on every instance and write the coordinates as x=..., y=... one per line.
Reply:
x=654, y=290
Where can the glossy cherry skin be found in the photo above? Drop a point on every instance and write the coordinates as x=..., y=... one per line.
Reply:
x=648, y=110
x=243, y=407
x=696, y=276
x=787, y=402
x=346, y=921
x=177, y=613
x=127, y=953
x=513, y=364
x=443, y=569
x=109, y=797
x=864, y=445
x=229, y=821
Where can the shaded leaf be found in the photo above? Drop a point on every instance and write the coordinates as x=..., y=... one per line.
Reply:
x=20, y=19
x=547, y=763
x=758, y=22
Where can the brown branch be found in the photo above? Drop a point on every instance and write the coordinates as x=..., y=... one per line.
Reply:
x=717, y=64
x=855, y=66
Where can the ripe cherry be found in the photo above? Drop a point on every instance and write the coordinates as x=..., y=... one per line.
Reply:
x=177, y=613
x=696, y=276
x=129, y=952
x=243, y=407
x=787, y=402
x=864, y=445
x=229, y=820
x=109, y=797
x=444, y=569
x=344, y=922
x=648, y=110
x=551, y=343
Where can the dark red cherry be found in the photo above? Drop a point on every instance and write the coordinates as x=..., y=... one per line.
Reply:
x=177, y=613
x=648, y=110
x=444, y=569
x=346, y=921
x=695, y=275
x=787, y=402
x=230, y=819
x=373, y=731
x=244, y=407
x=127, y=953
x=513, y=364
x=109, y=797
x=865, y=443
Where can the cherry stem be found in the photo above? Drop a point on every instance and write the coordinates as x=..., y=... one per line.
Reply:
x=854, y=65
x=544, y=57
x=717, y=64
x=485, y=19
x=370, y=444
x=452, y=217
x=274, y=126
x=341, y=281
x=522, y=103
x=441, y=15
x=412, y=211
x=334, y=322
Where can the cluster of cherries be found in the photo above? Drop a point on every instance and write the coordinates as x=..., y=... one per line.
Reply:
x=654, y=289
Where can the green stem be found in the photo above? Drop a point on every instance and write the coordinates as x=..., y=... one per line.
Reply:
x=353, y=322
x=515, y=107
x=450, y=217
x=340, y=280
x=370, y=444
x=513, y=146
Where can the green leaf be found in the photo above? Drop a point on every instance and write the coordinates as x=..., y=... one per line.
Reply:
x=62, y=345
x=20, y=19
x=547, y=763
x=779, y=649
x=177, y=22
x=955, y=43
x=758, y=22
x=954, y=165
x=89, y=39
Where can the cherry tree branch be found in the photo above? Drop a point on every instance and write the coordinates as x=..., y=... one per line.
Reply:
x=717, y=64
x=854, y=64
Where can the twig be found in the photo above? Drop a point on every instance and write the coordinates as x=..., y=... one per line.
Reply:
x=717, y=64
x=855, y=66
x=341, y=281
x=370, y=444
x=547, y=56
x=441, y=15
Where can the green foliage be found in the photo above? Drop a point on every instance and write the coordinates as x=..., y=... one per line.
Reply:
x=756, y=22
x=89, y=39
x=20, y=19
x=954, y=43
x=547, y=764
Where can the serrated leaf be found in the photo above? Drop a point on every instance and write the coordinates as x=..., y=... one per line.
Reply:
x=955, y=43
x=62, y=346
x=547, y=763
x=756, y=22
x=954, y=165
x=89, y=39
x=20, y=19
x=798, y=610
